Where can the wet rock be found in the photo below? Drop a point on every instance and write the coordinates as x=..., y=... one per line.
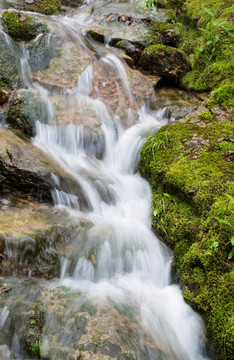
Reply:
x=42, y=50
x=21, y=26
x=63, y=70
x=10, y=69
x=4, y=96
x=119, y=96
x=26, y=108
x=165, y=61
x=130, y=49
x=69, y=326
x=5, y=353
x=178, y=103
x=26, y=170
x=33, y=237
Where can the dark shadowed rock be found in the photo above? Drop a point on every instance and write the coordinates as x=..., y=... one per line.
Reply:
x=164, y=61
x=26, y=170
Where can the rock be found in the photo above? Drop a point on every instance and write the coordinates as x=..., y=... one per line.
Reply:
x=42, y=50
x=63, y=70
x=5, y=353
x=26, y=108
x=72, y=3
x=178, y=103
x=4, y=96
x=47, y=7
x=25, y=170
x=130, y=49
x=163, y=33
x=10, y=68
x=21, y=26
x=33, y=238
x=164, y=61
x=70, y=326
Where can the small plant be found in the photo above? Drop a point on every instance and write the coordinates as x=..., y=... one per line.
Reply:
x=36, y=349
x=212, y=39
x=149, y=5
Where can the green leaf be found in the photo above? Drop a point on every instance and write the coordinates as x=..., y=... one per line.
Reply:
x=32, y=321
x=230, y=255
x=230, y=198
x=167, y=195
x=31, y=332
x=209, y=42
x=232, y=241
x=225, y=222
x=209, y=12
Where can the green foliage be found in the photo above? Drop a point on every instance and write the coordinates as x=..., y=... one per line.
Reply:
x=149, y=5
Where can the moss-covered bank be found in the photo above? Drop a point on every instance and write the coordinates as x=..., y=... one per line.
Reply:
x=190, y=169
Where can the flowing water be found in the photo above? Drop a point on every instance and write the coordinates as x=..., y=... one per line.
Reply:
x=119, y=259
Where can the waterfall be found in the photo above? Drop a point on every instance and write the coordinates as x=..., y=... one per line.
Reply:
x=120, y=259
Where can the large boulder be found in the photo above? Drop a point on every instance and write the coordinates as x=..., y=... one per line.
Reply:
x=27, y=171
x=62, y=323
x=34, y=236
x=164, y=61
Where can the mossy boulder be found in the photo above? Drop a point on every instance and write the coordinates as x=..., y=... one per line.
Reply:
x=189, y=166
x=47, y=7
x=164, y=61
x=25, y=109
x=21, y=26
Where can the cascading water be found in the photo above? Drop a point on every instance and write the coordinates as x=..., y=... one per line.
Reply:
x=119, y=259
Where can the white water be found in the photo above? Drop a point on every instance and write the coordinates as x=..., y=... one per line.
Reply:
x=131, y=265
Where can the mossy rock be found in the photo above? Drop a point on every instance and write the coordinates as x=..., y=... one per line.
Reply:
x=47, y=7
x=190, y=174
x=72, y=3
x=26, y=108
x=164, y=61
x=21, y=26
x=163, y=33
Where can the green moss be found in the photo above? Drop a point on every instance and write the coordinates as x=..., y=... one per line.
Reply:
x=163, y=33
x=21, y=26
x=208, y=42
x=223, y=96
x=191, y=179
x=206, y=115
x=49, y=7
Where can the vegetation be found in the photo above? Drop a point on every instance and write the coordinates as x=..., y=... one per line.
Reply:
x=21, y=26
x=190, y=174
